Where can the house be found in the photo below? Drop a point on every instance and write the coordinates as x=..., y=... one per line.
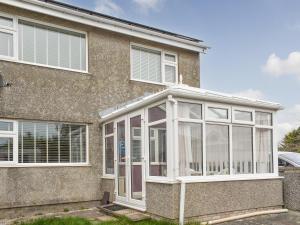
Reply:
x=97, y=104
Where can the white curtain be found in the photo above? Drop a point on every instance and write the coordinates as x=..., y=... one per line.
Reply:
x=217, y=149
x=264, y=156
x=190, y=149
x=242, y=150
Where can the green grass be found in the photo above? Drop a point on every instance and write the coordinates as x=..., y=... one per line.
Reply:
x=82, y=221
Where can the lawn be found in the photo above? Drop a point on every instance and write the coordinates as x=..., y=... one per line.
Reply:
x=81, y=221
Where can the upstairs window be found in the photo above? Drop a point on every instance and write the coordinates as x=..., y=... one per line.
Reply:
x=152, y=65
x=55, y=47
x=7, y=36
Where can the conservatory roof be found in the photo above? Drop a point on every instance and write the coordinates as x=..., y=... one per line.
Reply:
x=184, y=91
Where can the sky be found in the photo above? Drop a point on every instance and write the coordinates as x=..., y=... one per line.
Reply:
x=255, y=45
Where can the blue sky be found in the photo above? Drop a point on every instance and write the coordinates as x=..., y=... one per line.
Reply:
x=255, y=45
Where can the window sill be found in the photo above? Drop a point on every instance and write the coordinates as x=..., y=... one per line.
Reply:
x=153, y=82
x=108, y=177
x=13, y=60
x=30, y=165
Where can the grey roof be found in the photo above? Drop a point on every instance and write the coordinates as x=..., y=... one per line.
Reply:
x=89, y=12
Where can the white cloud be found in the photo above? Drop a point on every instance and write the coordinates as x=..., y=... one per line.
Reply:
x=146, y=5
x=108, y=7
x=251, y=93
x=278, y=67
x=288, y=120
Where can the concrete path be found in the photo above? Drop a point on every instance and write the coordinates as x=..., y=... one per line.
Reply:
x=290, y=218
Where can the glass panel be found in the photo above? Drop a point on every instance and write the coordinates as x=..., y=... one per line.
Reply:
x=28, y=42
x=6, y=149
x=242, y=150
x=264, y=152
x=6, y=22
x=170, y=74
x=158, y=150
x=136, y=158
x=157, y=113
x=64, y=50
x=53, y=142
x=109, y=155
x=53, y=48
x=83, y=53
x=121, y=158
x=64, y=143
x=263, y=118
x=189, y=110
x=243, y=115
x=6, y=126
x=75, y=52
x=109, y=128
x=217, y=113
x=146, y=64
x=217, y=149
x=170, y=57
x=190, y=149
x=41, y=142
x=28, y=142
x=40, y=45
x=76, y=147
x=6, y=44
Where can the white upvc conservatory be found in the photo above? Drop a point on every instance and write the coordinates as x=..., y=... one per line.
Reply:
x=185, y=134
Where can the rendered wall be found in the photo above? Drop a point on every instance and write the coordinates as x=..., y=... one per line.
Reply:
x=291, y=187
x=204, y=199
x=39, y=93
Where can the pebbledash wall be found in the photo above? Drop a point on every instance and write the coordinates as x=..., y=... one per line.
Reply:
x=45, y=94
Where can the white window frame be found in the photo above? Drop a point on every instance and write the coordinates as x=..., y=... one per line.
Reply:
x=243, y=109
x=217, y=106
x=15, y=135
x=15, y=32
x=11, y=134
x=163, y=63
x=104, y=136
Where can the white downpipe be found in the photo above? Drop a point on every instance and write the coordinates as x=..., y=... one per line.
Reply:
x=182, y=202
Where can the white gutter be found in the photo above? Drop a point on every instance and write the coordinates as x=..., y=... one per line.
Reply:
x=104, y=23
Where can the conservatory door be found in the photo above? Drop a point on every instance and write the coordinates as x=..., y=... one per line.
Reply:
x=130, y=179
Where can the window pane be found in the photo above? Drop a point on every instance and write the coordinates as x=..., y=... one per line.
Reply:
x=6, y=126
x=217, y=149
x=6, y=44
x=28, y=142
x=157, y=113
x=53, y=142
x=146, y=64
x=217, y=113
x=83, y=53
x=263, y=118
x=109, y=155
x=28, y=42
x=243, y=115
x=6, y=149
x=75, y=52
x=190, y=149
x=41, y=142
x=264, y=152
x=170, y=74
x=6, y=22
x=53, y=48
x=121, y=158
x=158, y=150
x=64, y=50
x=189, y=110
x=65, y=141
x=170, y=58
x=242, y=150
x=76, y=147
x=109, y=128
x=40, y=45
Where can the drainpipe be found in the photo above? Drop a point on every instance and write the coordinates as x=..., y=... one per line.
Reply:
x=182, y=201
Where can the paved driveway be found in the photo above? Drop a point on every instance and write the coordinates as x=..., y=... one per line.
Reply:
x=290, y=218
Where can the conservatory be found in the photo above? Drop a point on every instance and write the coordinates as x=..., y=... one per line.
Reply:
x=191, y=152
